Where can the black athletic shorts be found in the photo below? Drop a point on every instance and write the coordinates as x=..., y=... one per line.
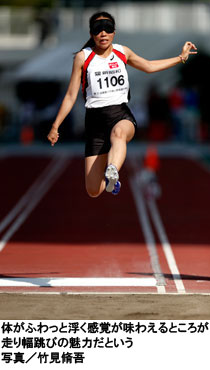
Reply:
x=98, y=125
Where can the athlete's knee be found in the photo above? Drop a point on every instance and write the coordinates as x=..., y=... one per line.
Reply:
x=118, y=133
x=93, y=194
x=93, y=191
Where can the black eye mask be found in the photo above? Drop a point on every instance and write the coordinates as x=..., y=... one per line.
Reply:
x=102, y=25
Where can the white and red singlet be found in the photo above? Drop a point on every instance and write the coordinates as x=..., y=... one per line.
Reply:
x=105, y=80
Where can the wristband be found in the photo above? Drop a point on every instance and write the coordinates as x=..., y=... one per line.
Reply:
x=182, y=59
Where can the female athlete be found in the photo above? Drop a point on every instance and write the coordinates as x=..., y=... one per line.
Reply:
x=109, y=123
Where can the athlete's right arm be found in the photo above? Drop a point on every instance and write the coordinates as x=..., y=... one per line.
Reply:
x=69, y=98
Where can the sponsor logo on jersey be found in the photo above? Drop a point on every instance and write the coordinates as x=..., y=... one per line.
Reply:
x=113, y=65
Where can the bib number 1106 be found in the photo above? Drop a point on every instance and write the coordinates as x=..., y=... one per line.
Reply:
x=113, y=81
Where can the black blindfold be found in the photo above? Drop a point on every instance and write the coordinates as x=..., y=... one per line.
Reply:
x=102, y=25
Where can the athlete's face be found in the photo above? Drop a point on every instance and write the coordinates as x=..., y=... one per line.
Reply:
x=103, y=39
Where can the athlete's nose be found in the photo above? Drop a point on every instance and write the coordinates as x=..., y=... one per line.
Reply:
x=103, y=33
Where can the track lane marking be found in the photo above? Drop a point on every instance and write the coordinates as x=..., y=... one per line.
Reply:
x=26, y=197
x=146, y=227
x=158, y=224
x=78, y=282
x=33, y=197
x=148, y=235
x=167, y=249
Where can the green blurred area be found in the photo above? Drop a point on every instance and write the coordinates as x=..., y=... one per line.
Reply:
x=26, y=3
x=80, y=3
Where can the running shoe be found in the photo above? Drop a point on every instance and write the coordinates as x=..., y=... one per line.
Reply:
x=111, y=176
x=116, y=189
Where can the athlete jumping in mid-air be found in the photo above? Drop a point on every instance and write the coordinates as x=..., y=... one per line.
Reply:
x=109, y=123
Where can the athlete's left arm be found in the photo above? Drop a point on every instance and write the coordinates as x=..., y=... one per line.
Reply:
x=150, y=66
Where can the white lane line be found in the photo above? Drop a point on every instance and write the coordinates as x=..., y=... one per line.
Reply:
x=26, y=197
x=166, y=246
x=148, y=234
x=78, y=282
x=34, y=197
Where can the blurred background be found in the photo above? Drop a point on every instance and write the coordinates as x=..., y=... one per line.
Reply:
x=38, y=39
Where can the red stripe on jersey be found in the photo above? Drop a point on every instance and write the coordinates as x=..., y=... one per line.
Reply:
x=120, y=55
x=84, y=71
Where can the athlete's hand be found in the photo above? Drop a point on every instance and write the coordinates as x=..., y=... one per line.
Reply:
x=53, y=136
x=188, y=48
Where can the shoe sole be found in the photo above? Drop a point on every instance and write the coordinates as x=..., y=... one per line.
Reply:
x=112, y=176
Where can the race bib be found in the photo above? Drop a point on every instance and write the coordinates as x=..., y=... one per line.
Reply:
x=108, y=81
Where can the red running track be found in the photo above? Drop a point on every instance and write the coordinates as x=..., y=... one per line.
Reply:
x=69, y=235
